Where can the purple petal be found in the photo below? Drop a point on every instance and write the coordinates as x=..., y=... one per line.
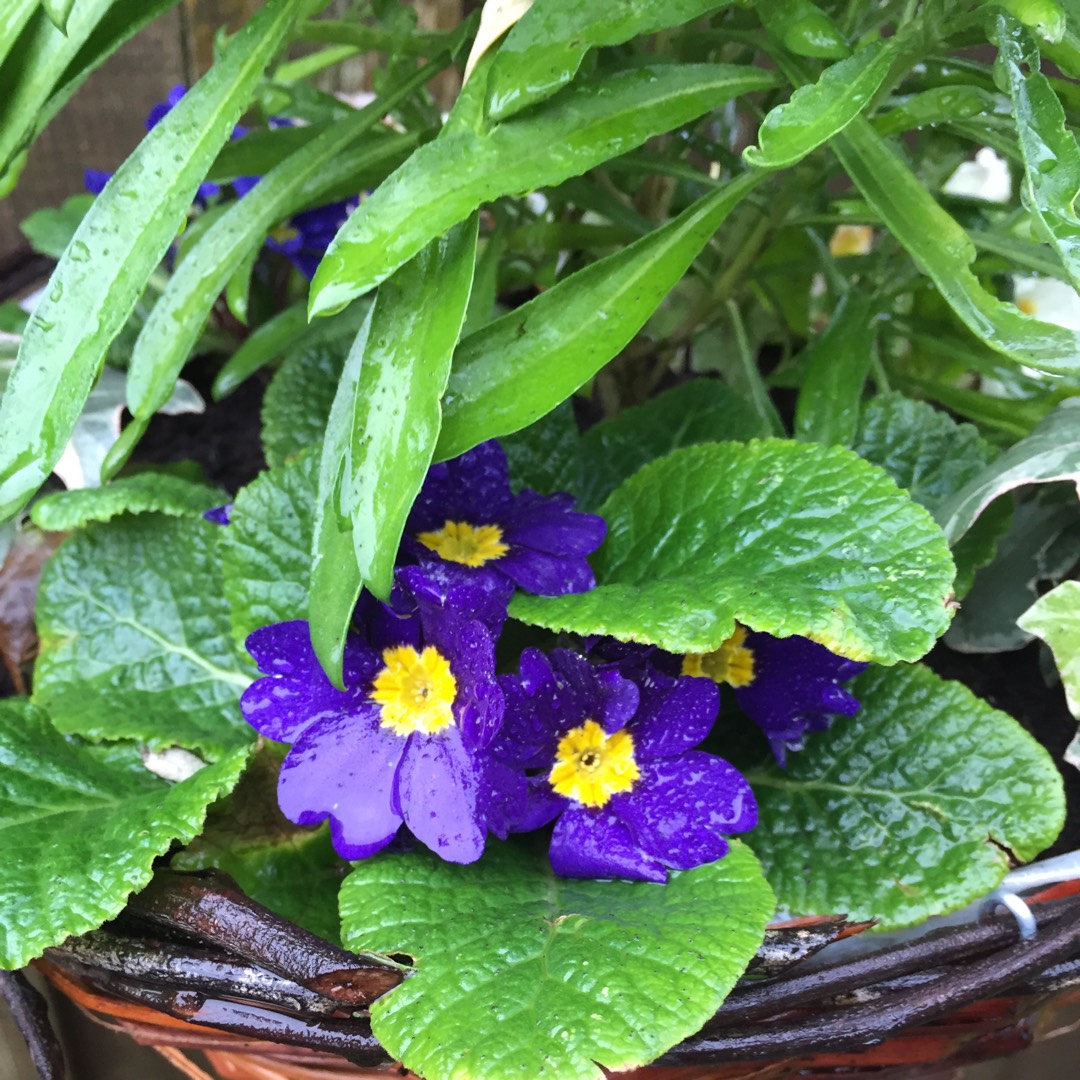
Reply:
x=549, y=523
x=219, y=515
x=596, y=844
x=473, y=488
x=542, y=804
x=344, y=768
x=675, y=714
x=94, y=180
x=439, y=792
x=546, y=575
x=681, y=806
x=470, y=592
x=506, y=795
x=243, y=184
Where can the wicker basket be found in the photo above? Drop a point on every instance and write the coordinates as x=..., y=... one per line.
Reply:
x=956, y=995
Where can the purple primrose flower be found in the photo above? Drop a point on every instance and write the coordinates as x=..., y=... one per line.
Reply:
x=787, y=686
x=304, y=238
x=466, y=515
x=613, y=760
x=404, y=741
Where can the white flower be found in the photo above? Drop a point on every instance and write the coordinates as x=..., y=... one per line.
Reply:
x=1048, y=300
x=987, y=178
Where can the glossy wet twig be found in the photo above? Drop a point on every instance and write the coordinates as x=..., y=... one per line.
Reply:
x=210, y=907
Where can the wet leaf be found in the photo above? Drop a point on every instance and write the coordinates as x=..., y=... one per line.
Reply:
x=1055, y=618
x=446, y=180
x=785, y=537
x=908, y=809
x=520, y=973
x=80, y=828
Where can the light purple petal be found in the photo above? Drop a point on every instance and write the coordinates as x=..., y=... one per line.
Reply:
x=344, y=768
x=596, y=844
x=675, y=714
x=440, y=796
x=681, y=808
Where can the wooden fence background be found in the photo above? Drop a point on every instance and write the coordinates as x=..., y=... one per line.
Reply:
x=104, y=121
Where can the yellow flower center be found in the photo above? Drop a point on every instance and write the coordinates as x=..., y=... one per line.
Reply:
x=460, y=542
x=851, y=240
x=591, y=765
x=415, y=690
x=732, y=663
x=282, y=234
x=1027, y=305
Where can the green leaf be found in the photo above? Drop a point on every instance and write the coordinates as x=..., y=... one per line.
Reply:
x=816, y=112
x=944, y=252
x=264, y=344
x=1055, y=618
x=1039, y=548
x=1051, y=452
x=396, y=412
x=142, y=493
x=543, y=52
x=1051, y=156
x=297, y=404
x=520, y=973
x=146, y=655
x=446, y=180
x=58, y=11
x=940, y=103
x=14, y=15
x=266, y=550
x=304, y=179
x=119, y=243
x=785, y=537
x=932, y=457
x=293, y=871
x=50, y=231
x=701, y=410
x=837, y=362
x=803, y=28
x=259, y=151
x=80, y=829
x=522, y=365
x=912, y=808
x=546, y=456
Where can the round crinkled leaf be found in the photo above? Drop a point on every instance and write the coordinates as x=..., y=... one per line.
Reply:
x=1055, y=618
x=909, y=809
x=80, y=828
x=143, y=493
x=932, y=457
x=297, y=402
x=520, y=973
x=266, y=550
x=135, y=637
x=787, y=538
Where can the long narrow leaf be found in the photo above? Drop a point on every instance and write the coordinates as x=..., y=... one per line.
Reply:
x=944, y=252
x=521, y=366
x=445, y=181
x=1051, y=156
x=818, y=111
x=59, y=11
x=266, y=342
x=116, y=248
x=303, y=178
x=393, y=423
x=36, y=68
x=828, y=407
x=543, y=52
x=14, y=15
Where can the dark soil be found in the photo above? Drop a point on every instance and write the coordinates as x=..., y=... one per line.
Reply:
x=224, y=440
